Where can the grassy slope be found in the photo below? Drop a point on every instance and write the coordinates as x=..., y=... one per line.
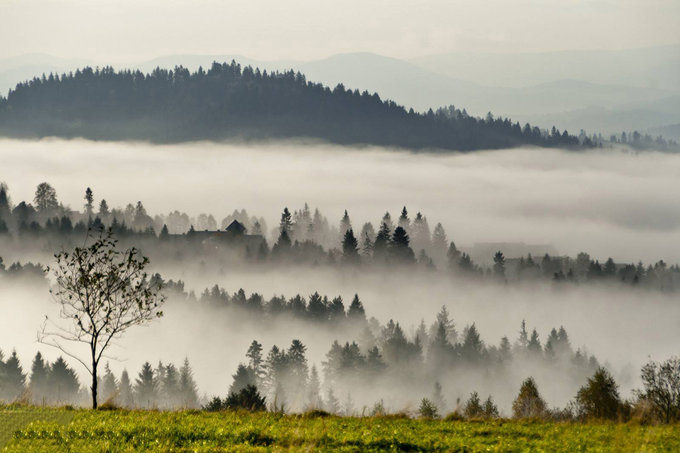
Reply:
x=148, y=431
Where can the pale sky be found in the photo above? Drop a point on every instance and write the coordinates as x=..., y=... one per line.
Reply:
x=131, y=30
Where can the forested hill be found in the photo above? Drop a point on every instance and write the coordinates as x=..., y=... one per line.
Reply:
x=228, y=101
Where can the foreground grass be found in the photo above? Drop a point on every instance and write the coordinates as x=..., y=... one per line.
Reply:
x=149, y=431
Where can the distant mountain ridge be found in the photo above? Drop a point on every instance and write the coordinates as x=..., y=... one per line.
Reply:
x=228, y=101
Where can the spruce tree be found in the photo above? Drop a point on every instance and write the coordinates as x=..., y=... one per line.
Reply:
x=63, y=382
x=125, y=391
x=39, y=380
x=12, y=379
x=146, y=387
x=350, y=251
x=188, y=390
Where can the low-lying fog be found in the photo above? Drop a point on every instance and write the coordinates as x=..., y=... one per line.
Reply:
x=608, y=203
x=623, y=328
x=605, y=202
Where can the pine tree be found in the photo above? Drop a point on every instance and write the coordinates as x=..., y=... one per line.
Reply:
x=490, y=409
x=12, y=379
x=367, y=234
x=473, y=407
x=499, y=265
x=382, y=243
x=188, y=390
x=399, y=251
x=125, y=391
x=331, y=404
x=39, y=380
x=350, y=251
x=146, y=387
x=63, y=382
x=534, y=344
x=356, y=311
x=89, y=202
x=255, y=361
x=345, y=224
x=103, y=209
x=314, y=390
x=169, y=388
x=243, y=377
x=523, y=340
x=286, y=224
x=404, y=221
x=109, y=386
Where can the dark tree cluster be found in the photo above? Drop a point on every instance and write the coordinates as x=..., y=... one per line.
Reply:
x=56, y=384
x=228, y=101
x=316, y=308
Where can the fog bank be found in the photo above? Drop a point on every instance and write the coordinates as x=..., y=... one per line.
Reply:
x=606, y=202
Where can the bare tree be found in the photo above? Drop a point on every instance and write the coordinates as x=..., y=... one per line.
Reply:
x=662, y=388
x=102, y=292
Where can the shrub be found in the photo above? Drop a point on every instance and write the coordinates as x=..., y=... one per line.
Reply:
x=247, y=398
x=215, y=405
x=427, y=409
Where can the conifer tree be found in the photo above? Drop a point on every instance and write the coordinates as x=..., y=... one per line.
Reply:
x=109, y=384
x=188, y=390
x=12, y=378
x=146, y=387
x=350, y=251
x=63, y=382
x=125, y=391
x=356, y=310
x=39, y=380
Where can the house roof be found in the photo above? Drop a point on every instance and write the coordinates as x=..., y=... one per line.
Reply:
x=236, y=227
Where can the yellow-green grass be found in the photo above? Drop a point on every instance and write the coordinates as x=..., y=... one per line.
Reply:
x=61, y=430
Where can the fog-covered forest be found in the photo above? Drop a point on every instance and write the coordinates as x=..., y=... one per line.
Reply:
x=304, y=237
x=363, y=360
x=365, y=226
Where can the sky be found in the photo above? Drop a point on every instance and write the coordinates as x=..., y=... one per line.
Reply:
x=134, y=30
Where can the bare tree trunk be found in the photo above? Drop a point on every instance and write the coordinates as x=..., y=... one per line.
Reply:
x=94, y=385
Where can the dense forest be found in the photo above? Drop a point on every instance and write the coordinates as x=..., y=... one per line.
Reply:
x=229, y=101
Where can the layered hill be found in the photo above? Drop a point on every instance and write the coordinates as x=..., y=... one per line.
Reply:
x=228, y=101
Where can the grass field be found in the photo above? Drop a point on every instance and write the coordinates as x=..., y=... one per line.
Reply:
x=60, y=430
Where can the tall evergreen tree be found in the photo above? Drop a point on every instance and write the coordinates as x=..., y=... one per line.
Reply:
x=399, y=251
x=356, y=310
x=125, y=391
x=188, y=391
x=12, y=379
x=109, y=385
x=64, y=385
x=350, y=251
x=146, y=387
x=39, y=386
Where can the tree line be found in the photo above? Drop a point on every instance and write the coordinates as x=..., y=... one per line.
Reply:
x=165, y=386
x=305, y=237
x=231, y=101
